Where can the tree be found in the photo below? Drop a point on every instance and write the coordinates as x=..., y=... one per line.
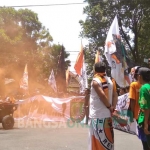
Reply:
x=51, y=58
x=22, y=35
x=24, y=40
x=134, y=22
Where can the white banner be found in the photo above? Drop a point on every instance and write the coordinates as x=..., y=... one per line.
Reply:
x=125, y=115
x=46, y=108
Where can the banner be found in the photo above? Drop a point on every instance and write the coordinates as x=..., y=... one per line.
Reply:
x=124, y=120
x=46, y=108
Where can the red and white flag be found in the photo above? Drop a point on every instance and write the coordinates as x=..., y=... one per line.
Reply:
x=79, y=61
x=80, y=68
x=52, y=81
x=24, y=80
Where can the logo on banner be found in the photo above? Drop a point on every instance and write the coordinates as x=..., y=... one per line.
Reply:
x=77, y=112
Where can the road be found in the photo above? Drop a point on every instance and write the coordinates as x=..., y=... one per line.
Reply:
x=57, y=136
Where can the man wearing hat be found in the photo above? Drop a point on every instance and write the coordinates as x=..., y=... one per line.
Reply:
x=103, y=99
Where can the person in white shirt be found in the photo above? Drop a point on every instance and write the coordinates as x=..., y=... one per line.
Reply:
x=103, y=100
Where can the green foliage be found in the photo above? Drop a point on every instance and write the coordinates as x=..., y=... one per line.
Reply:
x=134, y=22
x=24, y=40
x=50, y=59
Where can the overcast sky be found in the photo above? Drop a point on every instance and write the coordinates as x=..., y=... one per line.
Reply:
x=61, y=20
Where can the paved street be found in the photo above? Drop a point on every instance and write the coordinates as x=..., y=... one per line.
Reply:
x=57, y=137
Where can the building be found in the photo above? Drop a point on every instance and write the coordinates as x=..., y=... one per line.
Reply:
x=73, y=84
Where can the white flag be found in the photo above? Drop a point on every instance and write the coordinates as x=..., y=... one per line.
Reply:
x=52, y=81
x=83, y=78
x=114, y=53
x=24, y=80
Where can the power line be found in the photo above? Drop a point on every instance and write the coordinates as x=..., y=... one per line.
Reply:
x=48, y=5
x=52, y=4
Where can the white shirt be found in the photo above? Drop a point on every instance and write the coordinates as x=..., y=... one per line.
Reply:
x=97, y=107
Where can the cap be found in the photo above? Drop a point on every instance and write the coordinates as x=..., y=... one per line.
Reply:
x=143, y=71
x=136, y=69
x=100, y=67
x=134, y=73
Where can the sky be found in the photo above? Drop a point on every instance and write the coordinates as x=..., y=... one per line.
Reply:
x=61, y=20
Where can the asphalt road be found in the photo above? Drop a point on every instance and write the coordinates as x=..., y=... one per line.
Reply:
x=57, y=136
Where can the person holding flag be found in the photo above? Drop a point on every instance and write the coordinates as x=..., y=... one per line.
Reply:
x=103, y=100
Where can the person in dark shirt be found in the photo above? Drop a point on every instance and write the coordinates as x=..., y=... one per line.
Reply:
x=86, y=104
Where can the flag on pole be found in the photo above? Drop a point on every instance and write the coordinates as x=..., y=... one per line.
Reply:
x=116, y=55
x=79, y=62
x=24, y=80
x=61, y=72
x=67, y=76
x=52, y=81
x=80, y=68
x=83, y=78
x=61, y=62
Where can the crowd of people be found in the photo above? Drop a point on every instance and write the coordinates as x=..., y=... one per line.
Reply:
x=101, y=100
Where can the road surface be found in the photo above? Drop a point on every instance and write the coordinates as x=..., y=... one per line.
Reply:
x=57, y=136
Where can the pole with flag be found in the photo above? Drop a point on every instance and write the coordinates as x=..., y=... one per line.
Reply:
x=116, y=55
x=61, y=72
x=24, y=82
x=52, y=81
x=67, y=76
x=79, y=61
x=80, y=69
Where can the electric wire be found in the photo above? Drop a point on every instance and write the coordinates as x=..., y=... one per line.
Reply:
x=52, y=4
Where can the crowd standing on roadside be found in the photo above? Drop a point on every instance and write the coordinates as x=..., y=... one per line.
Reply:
x=103, y=99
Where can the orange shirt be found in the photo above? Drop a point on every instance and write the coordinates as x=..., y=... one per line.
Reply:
x=134, y=94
